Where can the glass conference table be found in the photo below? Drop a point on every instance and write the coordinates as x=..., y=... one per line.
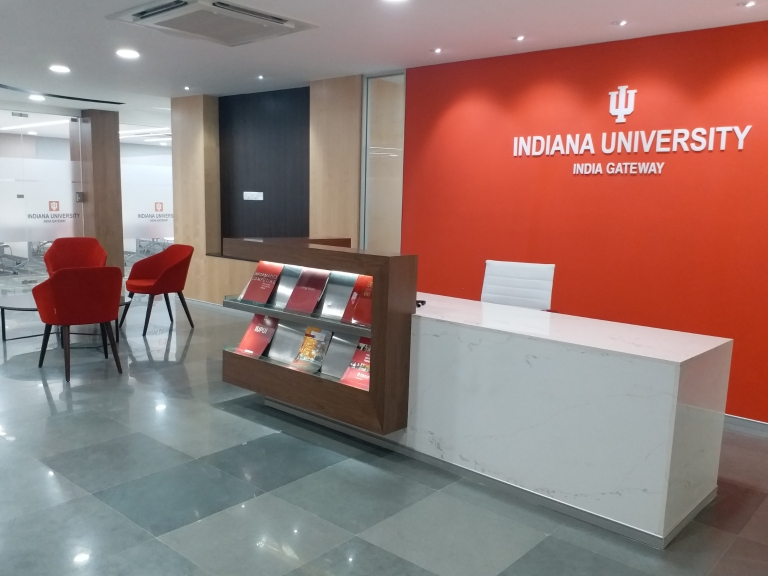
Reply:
x=26, y=303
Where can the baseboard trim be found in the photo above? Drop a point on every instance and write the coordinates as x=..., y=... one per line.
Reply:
x=745, y=425
x=641, y=536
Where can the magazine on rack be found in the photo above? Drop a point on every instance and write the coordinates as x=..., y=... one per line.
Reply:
x=258, y=336
x=312, y=350
x=358, y=374
x=263, y=282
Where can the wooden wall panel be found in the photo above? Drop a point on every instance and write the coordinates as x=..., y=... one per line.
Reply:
x=196, y=199
x=335, y=133
x=103, y=207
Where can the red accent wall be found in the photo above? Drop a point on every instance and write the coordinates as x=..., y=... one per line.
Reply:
x=685, y=250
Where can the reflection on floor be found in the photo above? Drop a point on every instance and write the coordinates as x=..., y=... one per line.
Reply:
x=167, y=470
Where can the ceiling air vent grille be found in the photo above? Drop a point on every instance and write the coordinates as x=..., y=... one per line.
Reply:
x=157, y=10
x=252, y=13
x=220, y=22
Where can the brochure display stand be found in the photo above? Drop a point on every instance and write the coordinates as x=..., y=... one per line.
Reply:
x=331, y=330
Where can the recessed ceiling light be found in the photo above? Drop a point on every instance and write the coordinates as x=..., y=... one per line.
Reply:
x=59, y=69
x=746, y=4
x=186, y=87
x=37, y=97
x=437, y=50
x=261, y=77
x=128, y=54
x=520, y=38
x=395, y=1
x=158, y=139
x=620, y=23
x=32, y=133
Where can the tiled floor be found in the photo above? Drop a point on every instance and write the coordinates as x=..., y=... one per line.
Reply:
x=168, y=471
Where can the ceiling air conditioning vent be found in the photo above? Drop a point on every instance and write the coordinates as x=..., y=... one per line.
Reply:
x=220, y=22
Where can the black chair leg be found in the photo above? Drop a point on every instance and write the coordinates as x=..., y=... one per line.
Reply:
x=168, y=305
x=150, y=300
x=65, y=339
x=186, y=310
x=46, y=335
x=104, y=340
x=117, y=331
x=125, y=308
x=112, y=343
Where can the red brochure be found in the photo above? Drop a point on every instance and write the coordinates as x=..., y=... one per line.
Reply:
x=308, y=290
x=263, y=282
x=358, y=374
x=360, y=305
x=258, y=336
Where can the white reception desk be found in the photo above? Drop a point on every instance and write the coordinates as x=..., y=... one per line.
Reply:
x=620, y=423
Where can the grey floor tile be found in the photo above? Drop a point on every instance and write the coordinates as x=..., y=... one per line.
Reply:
x=353, y=494
x=733, y=507
x=200, y=432
x=263, y=536
x=757, y=527
x=416, y=470
x=38, y=411
x=745, y=466
x=56, y=540
x=27, y=485
x=360, y=558
x=42, y=438
x=336, y=441
x=211, y=391
x=500, y=501
x=451, y=537
x=273, y=461
x=554, y=557
x=694, y=552
x=252, y=408
x=115, y=461
x=152, y=558
x=173, y=498
x=744, y=558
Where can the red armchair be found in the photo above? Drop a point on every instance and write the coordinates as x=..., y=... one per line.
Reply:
x=162, y=273
x=77, y=296
x=74, y=253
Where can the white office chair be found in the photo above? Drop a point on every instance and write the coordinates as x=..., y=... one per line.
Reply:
x=518, y=284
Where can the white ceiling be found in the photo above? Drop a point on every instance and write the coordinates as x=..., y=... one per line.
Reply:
x=353, y=37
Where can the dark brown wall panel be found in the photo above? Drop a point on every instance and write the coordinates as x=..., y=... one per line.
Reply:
x=264, y=146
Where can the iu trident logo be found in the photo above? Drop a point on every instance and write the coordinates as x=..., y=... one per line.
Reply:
x=622, y=103
x=158, y=206
x=53, y=206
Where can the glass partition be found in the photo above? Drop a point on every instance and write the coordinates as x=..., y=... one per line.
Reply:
x=39, y=177
x=382, y=201
x=147, y=184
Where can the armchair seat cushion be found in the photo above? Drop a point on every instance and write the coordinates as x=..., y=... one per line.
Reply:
x=140, y=286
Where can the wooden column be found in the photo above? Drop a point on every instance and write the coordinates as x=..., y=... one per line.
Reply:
x=197, y=199
x=335, y=134
x=103, y=206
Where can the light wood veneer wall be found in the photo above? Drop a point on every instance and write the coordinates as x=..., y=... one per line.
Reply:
x=197, y=199
x=335, y=140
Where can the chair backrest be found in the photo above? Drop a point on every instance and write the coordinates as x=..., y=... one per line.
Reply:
x=78, y=252
x=86, y=295
x=169, y=267
x=518, y=284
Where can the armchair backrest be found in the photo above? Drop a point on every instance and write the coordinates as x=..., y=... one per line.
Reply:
x=169, y=268
x=518, y=284
x=77, y=252
x=86, y=295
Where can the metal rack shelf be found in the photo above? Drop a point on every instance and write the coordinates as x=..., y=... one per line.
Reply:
x=313, y=319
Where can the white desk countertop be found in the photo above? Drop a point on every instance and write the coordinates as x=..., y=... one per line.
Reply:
x=656, y=343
